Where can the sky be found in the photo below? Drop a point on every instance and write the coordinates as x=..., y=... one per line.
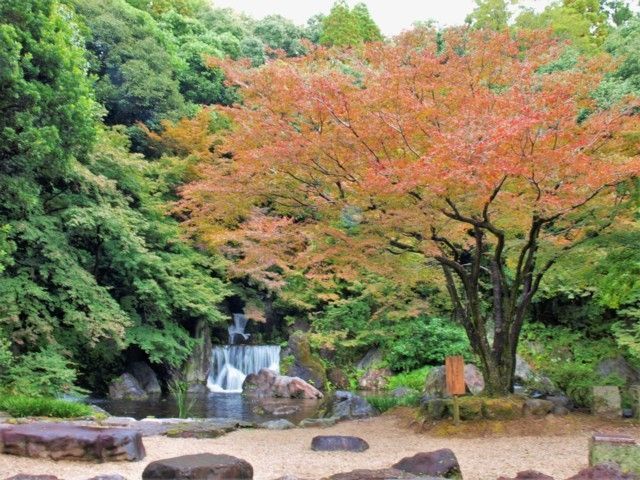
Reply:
x=392, y=16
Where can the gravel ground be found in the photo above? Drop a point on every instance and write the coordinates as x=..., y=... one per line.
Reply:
x=275, y=453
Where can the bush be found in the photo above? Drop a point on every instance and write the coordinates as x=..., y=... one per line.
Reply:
x=19, y=406
x=569, y=359
x=425, y=341
x=413, y=379
x=382, y=403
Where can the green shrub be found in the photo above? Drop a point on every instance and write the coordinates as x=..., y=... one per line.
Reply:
x=413, y=379
x=569, y=359
x=382, y=403
x=425, y=341
x=19, y=406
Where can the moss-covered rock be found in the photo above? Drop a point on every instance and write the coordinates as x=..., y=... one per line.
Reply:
x=623, y=452
x=470, y=408
x=506, y=408
x=306, y=365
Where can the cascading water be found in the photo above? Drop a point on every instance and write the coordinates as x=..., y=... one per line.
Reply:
x=231, y=364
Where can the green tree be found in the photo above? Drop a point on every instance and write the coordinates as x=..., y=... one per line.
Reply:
x=490, y=14
x=348, y=27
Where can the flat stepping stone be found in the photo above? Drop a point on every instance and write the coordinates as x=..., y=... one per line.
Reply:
x=333, y=443
x=200, y=466
x=59, y=441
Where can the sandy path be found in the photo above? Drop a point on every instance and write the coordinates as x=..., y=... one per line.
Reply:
x=274, y=453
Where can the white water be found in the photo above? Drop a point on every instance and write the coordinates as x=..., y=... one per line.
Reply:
x=231, y=364
x=239, y=324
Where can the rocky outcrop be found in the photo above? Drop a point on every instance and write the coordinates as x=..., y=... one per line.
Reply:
x=196, y=369
x=199, y=466
x=375, y=379
x=126, y=387
x=435, y=383
x=348, y=405
x=306, y=366
x=68, y=442
x=620, y=368
x=333, y=443
x=440, y=463
x=146, y=377
x=372, y=358
x=528, y=475
x=267, y=383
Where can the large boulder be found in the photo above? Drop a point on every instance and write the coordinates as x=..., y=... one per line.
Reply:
x=126, y=387
x=372, y=358
x=606, y=471
x=440, y=463
x=146, y=377
x=200, y=466
x=528, y=475
x=436, y=381
x=618, y=367
x=382, y=474
x=348, y=405
x=606, y=401
x=267, y=383
x=306, y=366
x=332, y=443
x=375, y=379
x=60, y=441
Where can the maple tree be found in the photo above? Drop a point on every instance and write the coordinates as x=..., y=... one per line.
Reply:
x=471, y=149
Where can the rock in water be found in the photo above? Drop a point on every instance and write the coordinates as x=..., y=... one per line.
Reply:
x=69, y=442
x=200, y=466
x=146, y=377
x=441, y=463
x=267, y=383
x=126, y=387
x=332, y=443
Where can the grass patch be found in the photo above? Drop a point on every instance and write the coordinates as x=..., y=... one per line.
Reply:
x=413, y=379
x=17, y=406
x=382, y=403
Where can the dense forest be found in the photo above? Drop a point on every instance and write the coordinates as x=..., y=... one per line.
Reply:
x=166, y=164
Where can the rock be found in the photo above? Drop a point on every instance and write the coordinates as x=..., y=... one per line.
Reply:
x=620, y=368
x=435, y=383
x=507, y=408
x=606, y=401
x=318, y=422
x=537, y=407
x=560, y=411
x=306, y=366
x=528, y=475
x=198, y=365
x=338, y=378
x=347, y=405
x=333, y=443
x=267, y=383
x=402, y=392
x=619, y=449
x=27, y=476
x=114, y=476
x=635, y=398
x=146, y=377
x=195, y=430
x=372, y=358
x=200, y=466
x=375, y=379
x=126, y=387
x=277, y=408
x=523, y=372
x=605, y=471
x=441, y=463
x=473, y=379
x=382, y=474
x=437, y=408
x=280, y=424
x=59, y=441
x=471, y=408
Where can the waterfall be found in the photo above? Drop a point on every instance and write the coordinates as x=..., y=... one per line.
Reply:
x=231, y=364
x=239, y=324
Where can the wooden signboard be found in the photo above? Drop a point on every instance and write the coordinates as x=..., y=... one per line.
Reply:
x=454, y=371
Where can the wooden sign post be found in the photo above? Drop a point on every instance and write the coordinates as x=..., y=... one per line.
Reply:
x=454, y=374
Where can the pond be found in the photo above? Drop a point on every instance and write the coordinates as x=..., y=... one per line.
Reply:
x=220, y=405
